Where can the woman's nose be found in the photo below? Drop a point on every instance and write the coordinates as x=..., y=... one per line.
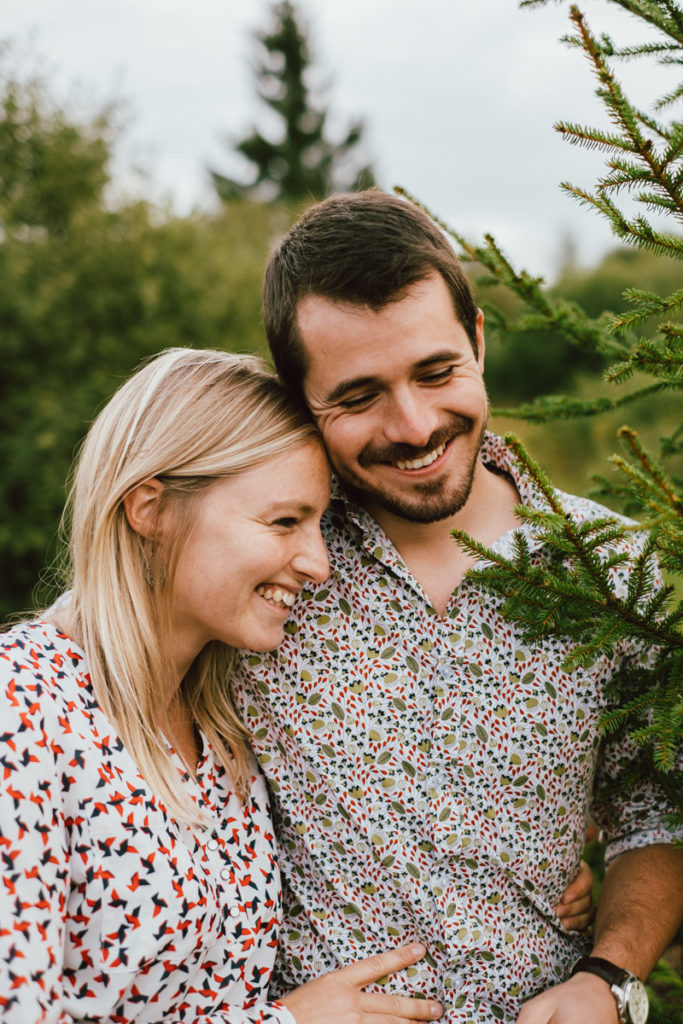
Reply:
x=311, y=560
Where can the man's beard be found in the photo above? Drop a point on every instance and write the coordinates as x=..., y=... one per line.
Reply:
x=432, y=500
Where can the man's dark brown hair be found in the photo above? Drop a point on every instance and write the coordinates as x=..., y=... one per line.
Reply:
x=365, y=248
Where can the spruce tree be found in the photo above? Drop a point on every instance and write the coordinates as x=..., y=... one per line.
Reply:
x=301, y=162
x=574, y=595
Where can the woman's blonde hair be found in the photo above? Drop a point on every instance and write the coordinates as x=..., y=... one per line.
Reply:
x=187, y=417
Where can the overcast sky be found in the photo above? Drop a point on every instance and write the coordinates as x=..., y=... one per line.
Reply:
x=459, y=98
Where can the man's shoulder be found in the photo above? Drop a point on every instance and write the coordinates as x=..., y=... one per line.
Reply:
x=587, y=510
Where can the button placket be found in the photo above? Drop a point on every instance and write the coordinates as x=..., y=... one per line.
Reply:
x=227, y=888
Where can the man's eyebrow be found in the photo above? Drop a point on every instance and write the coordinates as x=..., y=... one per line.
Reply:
x=356, y=383
x=448, y=355
x=346, y=386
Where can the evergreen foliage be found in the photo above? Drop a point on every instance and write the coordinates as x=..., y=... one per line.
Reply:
x=574, y=595
x=301, y=162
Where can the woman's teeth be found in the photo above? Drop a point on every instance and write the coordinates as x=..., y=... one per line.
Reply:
x=282, y=597
x=426, y=460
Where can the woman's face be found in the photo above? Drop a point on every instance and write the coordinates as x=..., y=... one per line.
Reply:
x=254, y=542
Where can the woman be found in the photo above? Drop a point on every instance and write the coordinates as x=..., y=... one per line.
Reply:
x=139, y=878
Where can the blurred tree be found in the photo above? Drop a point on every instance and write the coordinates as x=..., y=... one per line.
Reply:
x=87, y=289
x=522, y=362
x=302, y=162
x=50, y=168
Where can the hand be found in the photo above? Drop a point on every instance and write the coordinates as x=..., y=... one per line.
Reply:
x=338, y=997
x=575, y=909
x=583, y=998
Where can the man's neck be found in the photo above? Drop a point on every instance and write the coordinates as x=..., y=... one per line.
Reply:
x=428, y=549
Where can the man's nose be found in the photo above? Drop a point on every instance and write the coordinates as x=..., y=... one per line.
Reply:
x=410, y=418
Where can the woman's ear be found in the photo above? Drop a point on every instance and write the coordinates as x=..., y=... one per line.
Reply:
x=142, y=505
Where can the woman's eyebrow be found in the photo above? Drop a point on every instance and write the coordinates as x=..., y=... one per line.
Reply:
x=302, y=507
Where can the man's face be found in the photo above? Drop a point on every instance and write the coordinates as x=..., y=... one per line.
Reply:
x=399, y=397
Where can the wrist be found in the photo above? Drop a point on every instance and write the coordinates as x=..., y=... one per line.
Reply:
x=629, y=993
x=594, y=998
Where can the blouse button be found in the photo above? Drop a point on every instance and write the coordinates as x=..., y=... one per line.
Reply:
x=225, y=874
x=212, y=844
x=234, y=911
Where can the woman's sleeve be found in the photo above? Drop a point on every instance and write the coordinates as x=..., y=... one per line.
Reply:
x=260, y=1013
x=34, y=881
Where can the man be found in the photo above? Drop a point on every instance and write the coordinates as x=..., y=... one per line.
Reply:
x=432, y=773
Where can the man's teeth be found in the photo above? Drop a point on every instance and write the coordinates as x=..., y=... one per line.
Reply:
x=426, y=460
x=277, y=596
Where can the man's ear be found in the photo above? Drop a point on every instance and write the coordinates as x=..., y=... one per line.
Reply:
x=481, y=341
x=142, y=505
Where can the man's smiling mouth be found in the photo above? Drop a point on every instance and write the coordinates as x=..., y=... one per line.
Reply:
x=424, y=460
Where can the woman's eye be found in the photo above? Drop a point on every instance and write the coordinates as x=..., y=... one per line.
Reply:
x=286, y=521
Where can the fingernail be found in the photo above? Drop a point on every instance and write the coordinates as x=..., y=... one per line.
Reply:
x=418, y=948
x=435, y=1010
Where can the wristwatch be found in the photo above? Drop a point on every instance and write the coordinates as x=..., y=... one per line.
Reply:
x=629, y=991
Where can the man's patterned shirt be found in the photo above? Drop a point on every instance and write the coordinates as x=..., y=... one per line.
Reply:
x=433, y=775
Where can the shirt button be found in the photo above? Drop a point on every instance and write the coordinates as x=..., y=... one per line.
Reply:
x=212, y=844
x=225, y=874
x=234, y=911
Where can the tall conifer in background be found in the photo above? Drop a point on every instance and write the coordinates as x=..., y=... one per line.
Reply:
x=298, y=160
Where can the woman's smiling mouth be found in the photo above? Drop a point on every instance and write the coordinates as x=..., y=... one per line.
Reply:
x=276, y=595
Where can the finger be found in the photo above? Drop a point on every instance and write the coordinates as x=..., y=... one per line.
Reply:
x=579, y=923
x=364, y=972
x=578, y=907
x=397, y=1007
x=582, y=884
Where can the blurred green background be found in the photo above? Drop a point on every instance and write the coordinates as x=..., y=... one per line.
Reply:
x=91, y=283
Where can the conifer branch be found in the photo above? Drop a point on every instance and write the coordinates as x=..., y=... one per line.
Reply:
x=589, y=587
x=552, y=407
x=627, y=119
x=648, y=357
x=648, y=304
x=553, y=313
x=652, y=472
x=669, y=98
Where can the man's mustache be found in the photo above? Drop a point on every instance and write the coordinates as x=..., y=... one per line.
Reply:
x=406, y=452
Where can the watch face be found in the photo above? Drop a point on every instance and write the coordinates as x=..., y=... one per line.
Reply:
x=637, y=1002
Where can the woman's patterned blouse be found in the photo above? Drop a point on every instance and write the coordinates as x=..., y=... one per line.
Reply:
x=433, y=774
x=110, y=910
